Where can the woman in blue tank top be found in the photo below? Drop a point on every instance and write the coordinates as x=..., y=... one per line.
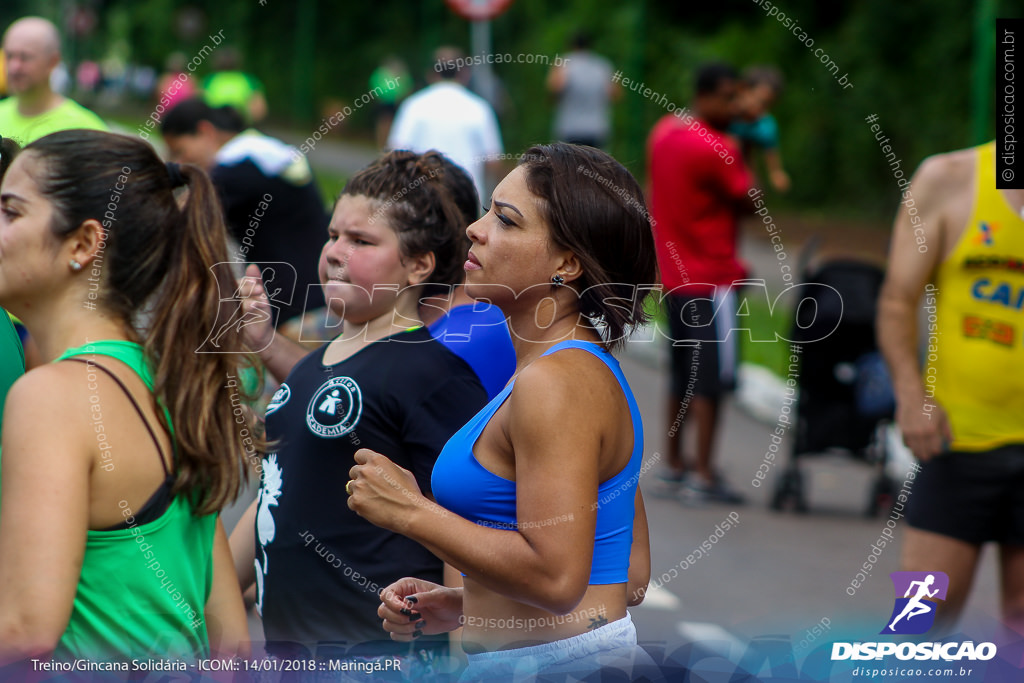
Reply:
x=536, y=497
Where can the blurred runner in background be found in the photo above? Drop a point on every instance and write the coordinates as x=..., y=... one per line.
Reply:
x=392, y=80
x=272, y=205
x=699, y=187
x=584, y=90
x=229, y=85
x=447, y=117
x=31, y=53
x=960, y=242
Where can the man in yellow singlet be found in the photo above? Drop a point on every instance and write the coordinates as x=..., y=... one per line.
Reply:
x=960, y=242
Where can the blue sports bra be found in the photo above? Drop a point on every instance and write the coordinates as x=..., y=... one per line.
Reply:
x=462, y=485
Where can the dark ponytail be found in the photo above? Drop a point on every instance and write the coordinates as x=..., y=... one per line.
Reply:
x=171, y=262
x=189, y=371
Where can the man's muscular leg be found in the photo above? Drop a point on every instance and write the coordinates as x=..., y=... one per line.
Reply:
x=1011, y=558
x=925, y=551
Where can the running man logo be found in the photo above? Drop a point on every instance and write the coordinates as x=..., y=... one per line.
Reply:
x=985, y=233
x=914, y=613
x=278, y=285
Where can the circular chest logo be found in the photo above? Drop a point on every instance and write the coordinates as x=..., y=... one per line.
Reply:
x=335, y=408
x=279, y=398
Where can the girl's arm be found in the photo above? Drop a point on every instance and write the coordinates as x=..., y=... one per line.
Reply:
x=46, y=460
x=556, y=429
x=226, y=622
x=243, y=547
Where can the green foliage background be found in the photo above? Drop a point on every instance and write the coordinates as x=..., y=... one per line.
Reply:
x=910, y=63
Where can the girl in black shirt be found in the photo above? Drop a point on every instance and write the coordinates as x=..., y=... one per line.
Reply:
x=384, y=384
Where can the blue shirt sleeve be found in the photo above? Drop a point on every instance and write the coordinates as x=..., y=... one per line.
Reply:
x=477, y=333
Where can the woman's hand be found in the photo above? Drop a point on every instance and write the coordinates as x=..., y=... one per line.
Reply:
x=382, y=492
x=412, y=607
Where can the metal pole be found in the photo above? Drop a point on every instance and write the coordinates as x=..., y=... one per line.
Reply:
x=305, y=39
x=636, y=129
x=480, y=44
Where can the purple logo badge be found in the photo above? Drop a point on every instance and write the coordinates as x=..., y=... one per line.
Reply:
x=917, y=596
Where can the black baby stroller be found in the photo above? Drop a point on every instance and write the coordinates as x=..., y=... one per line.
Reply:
x=846, y=399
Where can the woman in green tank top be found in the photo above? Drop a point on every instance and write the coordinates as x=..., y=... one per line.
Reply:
x=12, y=354
x=12, y=357
x=118, y=454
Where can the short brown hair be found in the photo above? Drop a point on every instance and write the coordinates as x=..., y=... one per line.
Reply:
x=596, y=209
x=415, y=192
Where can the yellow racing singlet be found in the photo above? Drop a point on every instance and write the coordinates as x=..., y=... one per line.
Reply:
x=976, y=354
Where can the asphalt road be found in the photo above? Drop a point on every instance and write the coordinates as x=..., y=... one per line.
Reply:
x=773, y=573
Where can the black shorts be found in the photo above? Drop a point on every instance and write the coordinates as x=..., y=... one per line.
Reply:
x=972, y=497
x=704, y=353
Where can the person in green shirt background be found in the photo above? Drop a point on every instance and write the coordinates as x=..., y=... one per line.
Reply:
x=390, y=83
x=31, y=49
x=231, y=86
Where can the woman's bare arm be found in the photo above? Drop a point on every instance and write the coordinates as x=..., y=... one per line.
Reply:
x=243, y=547
x=44, y=509
x=556, y=430
x=226, y=622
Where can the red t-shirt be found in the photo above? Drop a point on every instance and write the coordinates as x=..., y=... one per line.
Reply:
x=694, y=190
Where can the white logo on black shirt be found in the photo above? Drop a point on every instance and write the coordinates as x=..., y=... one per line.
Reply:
x=279, y=398
x=335, y=408
x=270, y=491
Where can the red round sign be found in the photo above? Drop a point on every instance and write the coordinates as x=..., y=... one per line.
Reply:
x=478, y=10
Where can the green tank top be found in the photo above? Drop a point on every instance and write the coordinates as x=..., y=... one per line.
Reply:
x=12, y=358
x=142, y=590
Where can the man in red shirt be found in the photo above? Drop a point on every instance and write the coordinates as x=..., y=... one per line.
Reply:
x=699, y=190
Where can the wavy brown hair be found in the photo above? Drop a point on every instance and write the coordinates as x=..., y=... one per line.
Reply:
x=167, y=261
